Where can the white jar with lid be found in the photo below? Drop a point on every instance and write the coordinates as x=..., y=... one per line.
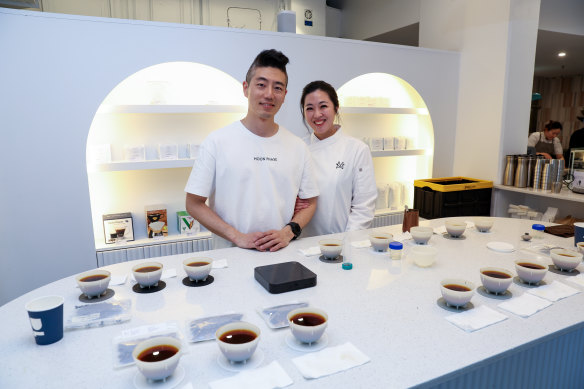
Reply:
x=537, y=231
x=395, y=250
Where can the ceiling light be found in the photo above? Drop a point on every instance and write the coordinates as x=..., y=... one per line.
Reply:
x=562, y=54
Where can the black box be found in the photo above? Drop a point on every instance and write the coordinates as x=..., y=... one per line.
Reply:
x=434, y=204
x=284, y=277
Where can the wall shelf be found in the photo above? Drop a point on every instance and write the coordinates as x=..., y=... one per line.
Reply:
x=169, y=109
x=143, y=165
x=384, y=111
x=100, y=246
x=397, y=153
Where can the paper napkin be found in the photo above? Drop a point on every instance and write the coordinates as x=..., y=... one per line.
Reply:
x=118, y=280
x=440, y=230
x=578, y=280
x=219, y=264
x=310, y=251
x=360, y=244
x=475, y=319
x=525, y=305
x=554, y=291
x=330, y=360
x=267, y=377
x=402, y=236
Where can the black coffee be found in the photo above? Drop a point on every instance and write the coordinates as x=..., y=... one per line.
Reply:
x=531, y=265
x=157, y=353
x=198, y=264
x=238, y=336
x=458, y=288
x=147, y=269
x=496, y=274
x=96, y=277
x=331, y=244
x=308, y=319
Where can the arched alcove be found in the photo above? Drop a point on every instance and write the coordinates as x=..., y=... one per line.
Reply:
x=131, y=157
x=379, y=106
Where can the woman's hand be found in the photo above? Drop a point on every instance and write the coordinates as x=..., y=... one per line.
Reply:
x=546, y=155
x=300, y=204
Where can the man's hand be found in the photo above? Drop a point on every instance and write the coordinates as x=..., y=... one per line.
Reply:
x=248, y=241
x=275, y=240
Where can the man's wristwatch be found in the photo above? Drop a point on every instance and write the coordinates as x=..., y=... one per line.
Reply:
x=296, y=230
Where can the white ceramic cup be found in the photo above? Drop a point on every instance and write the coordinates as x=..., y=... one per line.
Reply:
x=242, y=351
x=93, y=283
x=158, y=370
x=457, y=298
x=496, y=280
x=307, y=333
x=198, y=269
x=380, y=241
x=331, y=248
x=150, y=278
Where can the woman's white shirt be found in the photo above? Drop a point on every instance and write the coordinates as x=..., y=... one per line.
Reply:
x=346, y=180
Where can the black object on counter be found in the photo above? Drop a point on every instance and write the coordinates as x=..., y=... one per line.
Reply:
x=284, y=277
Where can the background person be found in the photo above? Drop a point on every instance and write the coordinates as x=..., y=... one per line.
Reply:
x=252, y=170
x=546, y=142
x=343, y=166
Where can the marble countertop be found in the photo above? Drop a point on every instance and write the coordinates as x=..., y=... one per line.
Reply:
x=389, y=309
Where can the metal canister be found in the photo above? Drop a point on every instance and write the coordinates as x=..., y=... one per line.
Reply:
x=560, y=172
x=530, y=170
x=509, y=175
x=546, y=176
x=553, y=170
x=537, y=173
x=520, y=180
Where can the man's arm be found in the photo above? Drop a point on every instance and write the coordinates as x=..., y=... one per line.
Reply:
x=197, y=208
x=275, y=240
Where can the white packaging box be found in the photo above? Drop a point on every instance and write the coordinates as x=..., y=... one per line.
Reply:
x=388, y=143
x=376, y=144
x=134, y=153
x=194, y=151
x=400, y=143
x=168, y=152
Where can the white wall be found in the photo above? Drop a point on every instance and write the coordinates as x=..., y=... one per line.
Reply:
x=333, y=22
x=363, y=19
x=57, y=69
x=318, y=17
x=497, y=44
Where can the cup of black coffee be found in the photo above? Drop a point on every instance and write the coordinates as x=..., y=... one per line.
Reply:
x=147, y=274
x=307, y=324
x=238, y=341
x=157, y=358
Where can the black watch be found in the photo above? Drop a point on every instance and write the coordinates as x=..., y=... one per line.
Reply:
x=296, y=230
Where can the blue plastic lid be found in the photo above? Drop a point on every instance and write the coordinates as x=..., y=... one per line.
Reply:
x=347, y=265
x=396, y=246
x=538, y=227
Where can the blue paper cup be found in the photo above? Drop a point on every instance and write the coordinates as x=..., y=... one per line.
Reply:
x=46, y=319
x=578, y=233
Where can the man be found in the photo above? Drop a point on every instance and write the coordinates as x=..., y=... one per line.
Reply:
x=252, y=170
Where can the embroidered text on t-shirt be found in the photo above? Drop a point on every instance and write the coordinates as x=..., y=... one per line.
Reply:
x=340, y=165
x=271, y=159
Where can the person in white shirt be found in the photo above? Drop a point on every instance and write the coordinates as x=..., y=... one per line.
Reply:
x=343, y=166
x=252, y=170
x=546, y=143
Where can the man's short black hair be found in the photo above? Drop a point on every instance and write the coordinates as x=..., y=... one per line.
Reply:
x=268, y=59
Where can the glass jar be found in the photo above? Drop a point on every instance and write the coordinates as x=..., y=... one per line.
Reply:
x=537, y=231
x=395, y=250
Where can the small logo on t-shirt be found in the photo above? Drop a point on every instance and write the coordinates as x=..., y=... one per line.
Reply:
x=340, y=165
x=269, y=159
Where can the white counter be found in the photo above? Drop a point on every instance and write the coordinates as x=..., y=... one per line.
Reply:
x=387, y=309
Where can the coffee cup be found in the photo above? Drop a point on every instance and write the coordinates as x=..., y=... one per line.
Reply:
x=93, y=283
x=147, y=274
x=578, y=233
x=483, y=224
x=496, y=280
x=566, y=260
x=46, y=319
x=331, y=248
x=455, y=228
x=423, y=256
x=456, y=292
x=238, y=340
x=421, y=234
x=307, y=324
x=580, y=247
x=157, y=358
x=530, y=270
x=380, y=241
x=198, y=269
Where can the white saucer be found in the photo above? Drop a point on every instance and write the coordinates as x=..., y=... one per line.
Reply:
x=501, y=247
x=256, y=359
x=176, y=378
x=295, y=344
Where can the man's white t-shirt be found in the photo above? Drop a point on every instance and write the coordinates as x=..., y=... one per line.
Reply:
x=346, y=179
x=251, y=181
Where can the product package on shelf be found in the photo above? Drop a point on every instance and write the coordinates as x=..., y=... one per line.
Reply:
x=118, y=227
x=156, y=221
x=187, y=225
x=134, y=153
x=168, y=152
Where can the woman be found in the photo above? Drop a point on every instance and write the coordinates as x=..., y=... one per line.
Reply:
x=546, y=143
x=343, y=167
